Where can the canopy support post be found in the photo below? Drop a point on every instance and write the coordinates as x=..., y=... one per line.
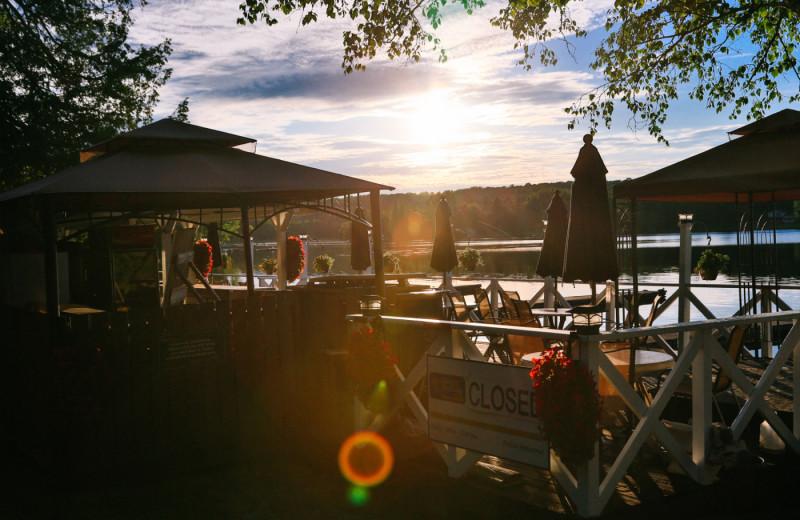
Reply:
x=377, y=242
x=281, y=222
x=248, y=252
x=50, y=257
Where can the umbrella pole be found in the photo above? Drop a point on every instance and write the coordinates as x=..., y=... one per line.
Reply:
x=594, y=292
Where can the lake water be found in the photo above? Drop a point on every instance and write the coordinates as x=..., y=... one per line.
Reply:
x=514, y=262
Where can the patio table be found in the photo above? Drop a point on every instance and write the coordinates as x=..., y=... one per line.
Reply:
x=647, y=362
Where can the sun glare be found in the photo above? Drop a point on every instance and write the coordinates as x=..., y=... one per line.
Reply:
x=437, y=119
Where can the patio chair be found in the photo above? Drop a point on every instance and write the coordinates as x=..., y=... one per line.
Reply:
x=722, y=380
x=518, y=345
x=459, y=310
x=485, y=313
x=506, y=298
x=652, y=298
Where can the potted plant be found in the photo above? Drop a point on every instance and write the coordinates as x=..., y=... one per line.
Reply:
x=470, y=259
x=269, y=265
x=711, y=264
x=323, y=263
x=391, y=264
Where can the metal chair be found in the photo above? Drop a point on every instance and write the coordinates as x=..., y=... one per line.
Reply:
x=506, y=298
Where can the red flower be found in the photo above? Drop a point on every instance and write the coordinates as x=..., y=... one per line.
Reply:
x=203, y=258
x=369, y=361
x=568, y=405
x=295, y=258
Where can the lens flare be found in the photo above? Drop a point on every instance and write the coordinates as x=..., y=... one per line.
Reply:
x=379, y=400
x=365, y=459
x=358, y=496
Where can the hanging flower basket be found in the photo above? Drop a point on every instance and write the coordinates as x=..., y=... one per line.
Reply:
x=203, y=258
x=711, y=264
x=323, y=263
x=295, y=258
x=710, y=274
x=370, y=367
x=568, y=406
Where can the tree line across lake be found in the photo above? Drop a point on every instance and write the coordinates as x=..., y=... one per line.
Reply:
x=518, y=212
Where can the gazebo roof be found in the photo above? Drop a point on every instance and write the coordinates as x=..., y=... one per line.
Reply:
x=172, y=165
x=764, y=162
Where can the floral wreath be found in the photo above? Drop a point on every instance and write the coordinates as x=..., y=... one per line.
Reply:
x=203, y=258
x=295, y=258
x=370, y=366
x=568, y=405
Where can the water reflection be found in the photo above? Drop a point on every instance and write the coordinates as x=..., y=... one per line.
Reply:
x=657, y=257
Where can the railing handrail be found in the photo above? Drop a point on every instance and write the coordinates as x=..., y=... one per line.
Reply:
x=696, y=325
x=540, y=332
x=543, y=332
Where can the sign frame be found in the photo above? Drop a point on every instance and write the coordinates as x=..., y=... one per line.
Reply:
x=485, y=407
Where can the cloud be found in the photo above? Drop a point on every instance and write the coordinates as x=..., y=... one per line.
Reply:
x=476, y=120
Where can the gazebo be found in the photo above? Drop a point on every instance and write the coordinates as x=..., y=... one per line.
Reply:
x=178, y=172
x=760, y=163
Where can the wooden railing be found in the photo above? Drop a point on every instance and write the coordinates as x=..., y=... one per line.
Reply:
x=589, y=491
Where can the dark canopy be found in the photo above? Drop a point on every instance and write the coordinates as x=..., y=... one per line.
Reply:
x=764, y=161
x=172, y=165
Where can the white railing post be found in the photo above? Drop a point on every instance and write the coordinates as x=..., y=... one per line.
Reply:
x=587, y=496
x=549, y=292
x=766, y=327
x=494, y=293
x=684, y=277
x=701, y=408
x=796, y=387
x=611, y=306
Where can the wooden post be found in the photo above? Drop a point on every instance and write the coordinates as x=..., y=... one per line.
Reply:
x=377, y=241
x=50, y=258
x=248, y=252
x=281, y=222
x=684, y=278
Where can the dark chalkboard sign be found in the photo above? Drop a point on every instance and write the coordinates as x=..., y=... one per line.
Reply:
x=191, y=349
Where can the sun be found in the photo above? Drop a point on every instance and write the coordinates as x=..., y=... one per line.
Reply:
x=437, y=119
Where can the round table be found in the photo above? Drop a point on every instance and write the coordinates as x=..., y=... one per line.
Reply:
x=647, y=362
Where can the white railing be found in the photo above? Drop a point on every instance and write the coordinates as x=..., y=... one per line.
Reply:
x=585, y=487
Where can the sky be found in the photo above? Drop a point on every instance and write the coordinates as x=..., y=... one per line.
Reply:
x=477, y=120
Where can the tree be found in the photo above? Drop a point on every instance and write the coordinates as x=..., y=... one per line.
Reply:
x=736, y=55
x=68, y=79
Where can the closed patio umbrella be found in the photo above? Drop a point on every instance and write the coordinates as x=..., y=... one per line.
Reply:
x=551, y=258
x=443, y=256
x=359, y=244
x=590, y=252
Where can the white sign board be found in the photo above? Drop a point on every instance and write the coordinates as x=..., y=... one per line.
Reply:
x=485, y=407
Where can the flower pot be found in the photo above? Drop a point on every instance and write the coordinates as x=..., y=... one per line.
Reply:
x=709, y=274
